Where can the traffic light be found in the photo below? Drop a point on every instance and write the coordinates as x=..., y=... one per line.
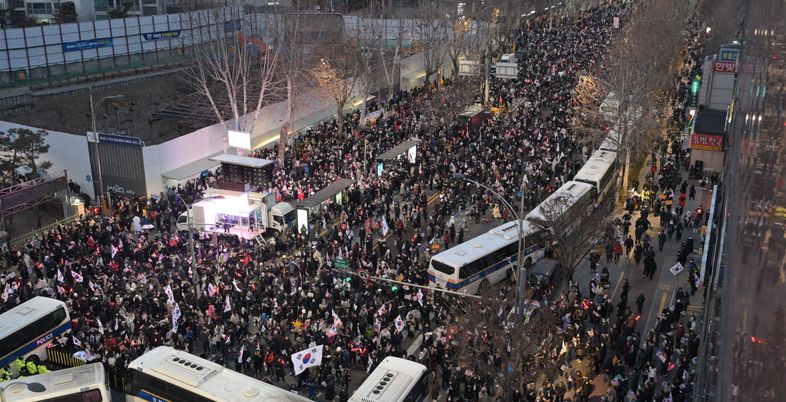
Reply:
x=348, y=279
x=493, y=70
x=394, y=288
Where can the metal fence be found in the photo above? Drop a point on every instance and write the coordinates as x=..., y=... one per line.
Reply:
x=64, y=51
x=63, y=358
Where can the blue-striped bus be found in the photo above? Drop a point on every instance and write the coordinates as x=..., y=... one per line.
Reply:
x=484, y=260
x=29, y=328
x=77, y=384
x=395, y=380
x=165, y=374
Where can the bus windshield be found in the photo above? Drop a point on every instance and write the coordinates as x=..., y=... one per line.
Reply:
x=442, y=267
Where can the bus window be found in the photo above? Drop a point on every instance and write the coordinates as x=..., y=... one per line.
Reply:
x=442, y=267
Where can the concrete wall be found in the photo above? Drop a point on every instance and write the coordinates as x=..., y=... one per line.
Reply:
x=66, y=152
x=178, y=152
x=70, y=152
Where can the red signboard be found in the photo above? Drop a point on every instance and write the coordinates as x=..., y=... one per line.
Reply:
x=707, y=142
x=724, y=66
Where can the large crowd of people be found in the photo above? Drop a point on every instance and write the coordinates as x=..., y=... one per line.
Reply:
x=250, y=305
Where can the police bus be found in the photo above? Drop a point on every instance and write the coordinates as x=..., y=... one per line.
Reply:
x=395, y=380
x=78, y=384
x=484, y=260
x=30, y=327
x=165, y=374
x=599, y=171
x=564, y=208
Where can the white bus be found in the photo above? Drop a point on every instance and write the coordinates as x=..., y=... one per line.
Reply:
x=599, y=171
x=78, y=384
x=484, y=260
x=30, y=327
x=565, y=207
x=610, y=107
x=612, y=141
x=395, y=380
x=165, y=374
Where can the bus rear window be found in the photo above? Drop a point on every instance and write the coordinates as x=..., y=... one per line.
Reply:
x=442, y=267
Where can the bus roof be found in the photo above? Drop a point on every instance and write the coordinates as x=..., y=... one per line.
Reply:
x=71, y=379
x=496, y=238
x=612, y=141
x=570, y=192
x=23, y=314
x=222, y=384
x=395, y=376
x=597, y=166
x=326, y=193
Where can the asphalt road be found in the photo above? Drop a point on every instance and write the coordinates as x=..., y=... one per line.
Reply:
x=753, y=341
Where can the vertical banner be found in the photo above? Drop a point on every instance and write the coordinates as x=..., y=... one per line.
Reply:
x=122, y=164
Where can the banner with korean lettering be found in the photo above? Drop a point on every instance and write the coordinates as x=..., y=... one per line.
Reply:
x=706, y=142
x=724, y=66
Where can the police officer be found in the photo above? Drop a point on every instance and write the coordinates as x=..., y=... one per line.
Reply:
x=5, y=374
x=42, y=369
x=20, y=365
x=32, y=368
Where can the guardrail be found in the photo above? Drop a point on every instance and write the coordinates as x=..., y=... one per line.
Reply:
x=30, y=235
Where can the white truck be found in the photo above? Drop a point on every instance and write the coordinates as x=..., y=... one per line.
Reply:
x=246, y=214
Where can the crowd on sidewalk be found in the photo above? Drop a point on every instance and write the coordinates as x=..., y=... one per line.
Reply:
x=249, y=305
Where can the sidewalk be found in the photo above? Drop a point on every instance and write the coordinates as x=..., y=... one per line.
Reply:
x=659, y=292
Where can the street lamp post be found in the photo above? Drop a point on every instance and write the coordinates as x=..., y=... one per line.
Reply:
x=95, y=139
x=190, y=236
x=493, y=16
x=521, y=287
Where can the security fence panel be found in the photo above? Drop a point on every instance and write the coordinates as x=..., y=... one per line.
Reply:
x=122, y=164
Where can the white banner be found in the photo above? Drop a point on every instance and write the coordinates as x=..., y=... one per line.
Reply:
x=373, y=116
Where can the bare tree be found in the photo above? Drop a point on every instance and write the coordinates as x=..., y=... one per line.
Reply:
x=391, y=65
x=431, y=30
x=300, y=38
x=234, y=68
x=640, y=67
x=586, y=118
x=370, y=37
x=458, y=38
x=501, y=345
x=337, y=74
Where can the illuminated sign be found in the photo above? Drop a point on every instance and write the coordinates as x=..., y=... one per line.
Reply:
x=239, y=139
x=707, y=142
x=724, y=66
x=729, y=55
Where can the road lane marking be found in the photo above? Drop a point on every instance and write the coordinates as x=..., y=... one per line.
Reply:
x=618, y=285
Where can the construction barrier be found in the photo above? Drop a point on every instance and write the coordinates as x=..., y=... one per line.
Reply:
x=63, y=358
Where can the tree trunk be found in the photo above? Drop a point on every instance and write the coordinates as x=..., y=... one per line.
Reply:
x=340, y=118
x=282, y=135
x=363, y=111
x=626, y=172
x=427, y=78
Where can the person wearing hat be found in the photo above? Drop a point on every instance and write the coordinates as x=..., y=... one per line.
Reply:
x=5, y=374
x=20, y=365
x=32, y=368
x=42, y=369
